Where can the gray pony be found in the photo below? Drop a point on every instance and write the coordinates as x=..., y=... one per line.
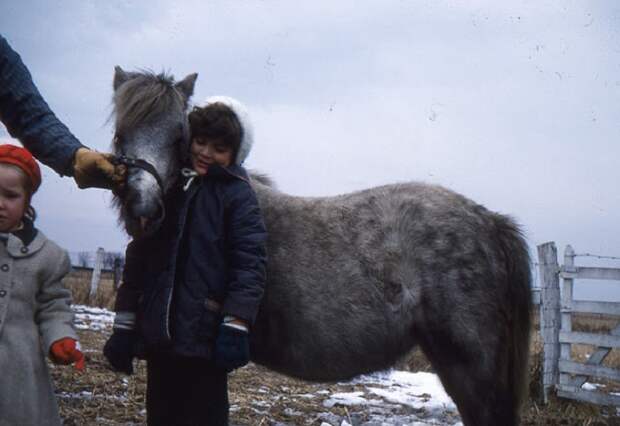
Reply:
x=357, y=280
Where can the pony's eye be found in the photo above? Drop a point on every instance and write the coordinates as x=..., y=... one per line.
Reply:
x=119, y=142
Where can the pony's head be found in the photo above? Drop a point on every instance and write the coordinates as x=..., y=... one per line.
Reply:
x=151, y=139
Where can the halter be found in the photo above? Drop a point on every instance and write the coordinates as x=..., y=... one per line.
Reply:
x=141, y=164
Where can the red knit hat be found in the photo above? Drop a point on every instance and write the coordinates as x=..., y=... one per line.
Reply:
x=21, y=158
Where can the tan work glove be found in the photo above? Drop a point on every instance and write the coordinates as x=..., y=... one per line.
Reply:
x=94, y=169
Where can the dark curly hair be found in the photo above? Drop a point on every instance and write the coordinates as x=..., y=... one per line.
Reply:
x=216, y=121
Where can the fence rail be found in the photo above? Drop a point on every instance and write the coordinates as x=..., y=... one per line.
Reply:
x=591, y=307
x=590, y=273
x=560, y=371
x=593, y=397
x=589, y=370
x=593, y=339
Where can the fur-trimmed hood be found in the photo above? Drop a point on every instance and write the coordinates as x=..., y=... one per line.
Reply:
x=247, y=131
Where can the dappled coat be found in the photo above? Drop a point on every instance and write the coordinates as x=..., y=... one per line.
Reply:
x=34, y=312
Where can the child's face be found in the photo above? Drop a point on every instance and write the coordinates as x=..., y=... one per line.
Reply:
x=13, y=198
x=206, y=151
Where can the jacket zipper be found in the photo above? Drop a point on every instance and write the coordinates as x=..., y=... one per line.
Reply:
x=183, y=216
x=189, y=195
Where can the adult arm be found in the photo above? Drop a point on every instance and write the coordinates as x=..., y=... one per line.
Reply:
x=28, y=118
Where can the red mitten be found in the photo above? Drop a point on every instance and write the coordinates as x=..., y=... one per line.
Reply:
x=66, y=351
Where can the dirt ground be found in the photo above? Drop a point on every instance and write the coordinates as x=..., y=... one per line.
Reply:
x=260, y=397
x=257, y=395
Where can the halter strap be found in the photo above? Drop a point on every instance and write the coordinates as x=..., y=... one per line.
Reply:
x=141, y=164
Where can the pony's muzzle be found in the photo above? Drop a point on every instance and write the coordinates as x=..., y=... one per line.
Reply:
x=150, y=218
x=145, y=210
x=141, y=226
x=149, y=226
x=144, y=206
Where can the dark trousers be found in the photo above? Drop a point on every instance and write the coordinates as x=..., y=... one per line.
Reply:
x=184, y=391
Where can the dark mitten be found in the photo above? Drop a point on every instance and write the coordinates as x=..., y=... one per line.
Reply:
x=119, y=350
x=232, y=348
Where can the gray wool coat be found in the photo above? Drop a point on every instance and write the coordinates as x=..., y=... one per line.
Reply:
x=34, y=312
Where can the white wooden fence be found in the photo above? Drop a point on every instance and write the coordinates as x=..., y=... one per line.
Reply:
x=94, y=280
x=559, y=370
x=98, y=268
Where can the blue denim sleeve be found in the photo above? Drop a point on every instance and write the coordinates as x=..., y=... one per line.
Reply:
x=28, y=118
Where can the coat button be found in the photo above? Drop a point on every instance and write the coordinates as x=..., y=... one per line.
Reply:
x=2, y=293
x=24, y=249
x=4, y=268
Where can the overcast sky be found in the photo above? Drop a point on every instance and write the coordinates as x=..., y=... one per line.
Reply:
x=513, y=104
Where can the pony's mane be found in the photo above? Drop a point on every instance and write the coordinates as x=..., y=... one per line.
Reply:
x=262, y=178
x=145, y=96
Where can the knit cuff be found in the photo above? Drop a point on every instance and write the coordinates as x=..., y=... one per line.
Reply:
x=124, y=321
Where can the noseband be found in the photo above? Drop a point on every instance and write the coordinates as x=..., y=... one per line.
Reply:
x=140, y=164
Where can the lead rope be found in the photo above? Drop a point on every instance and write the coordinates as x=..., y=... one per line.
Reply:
x=189, y=174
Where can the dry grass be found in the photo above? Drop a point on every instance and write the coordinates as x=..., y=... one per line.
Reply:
x=78, y=282
x=557, y=411
x=99, y=396
x=107, y=408
x=259, y=396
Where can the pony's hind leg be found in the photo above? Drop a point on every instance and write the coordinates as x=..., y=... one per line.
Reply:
x=473, y=374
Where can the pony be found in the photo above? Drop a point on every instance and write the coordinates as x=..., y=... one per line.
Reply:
x=355, y=281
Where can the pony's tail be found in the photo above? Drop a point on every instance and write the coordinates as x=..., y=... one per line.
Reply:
x=519, y=317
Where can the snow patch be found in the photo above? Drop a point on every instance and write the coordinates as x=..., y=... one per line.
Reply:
x=94, y=319
x=592, y=386
x=345, y=398
x=86, y=395
x=404, y=398
x=416, y=390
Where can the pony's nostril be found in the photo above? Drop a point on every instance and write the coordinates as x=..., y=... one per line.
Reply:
x=139, y=206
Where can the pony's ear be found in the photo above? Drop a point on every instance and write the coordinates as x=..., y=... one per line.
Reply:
x=120, y=76
x=186, y=86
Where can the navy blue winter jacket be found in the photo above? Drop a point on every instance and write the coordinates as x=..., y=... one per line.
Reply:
x=207, y=260
x=28, y=117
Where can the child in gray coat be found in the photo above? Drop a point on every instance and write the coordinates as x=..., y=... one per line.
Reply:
x=35, y=314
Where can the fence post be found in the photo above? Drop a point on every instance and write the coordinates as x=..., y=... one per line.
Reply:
x=94, y=281
x=567, y=307
x=549, y=315
x=118, y=270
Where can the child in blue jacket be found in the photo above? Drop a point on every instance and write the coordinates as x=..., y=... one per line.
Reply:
x=191, y=291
